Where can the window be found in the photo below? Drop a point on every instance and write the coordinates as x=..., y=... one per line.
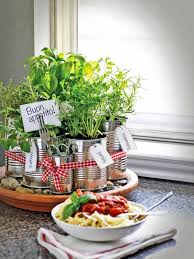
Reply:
x=155, y=40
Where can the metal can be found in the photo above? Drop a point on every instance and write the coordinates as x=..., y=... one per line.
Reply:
x=87, y=178
x=34, y=179
x=115, y=171
x=14, y=168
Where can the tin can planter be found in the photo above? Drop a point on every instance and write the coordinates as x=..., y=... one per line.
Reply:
x=66, y=183
x=87, y=178
x=117, y=170
x=14, y=168
x=34, y=179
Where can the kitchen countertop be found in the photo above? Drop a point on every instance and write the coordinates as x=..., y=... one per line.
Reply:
x=18, y=228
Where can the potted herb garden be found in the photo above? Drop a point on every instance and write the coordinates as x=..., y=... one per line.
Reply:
x=94, y=97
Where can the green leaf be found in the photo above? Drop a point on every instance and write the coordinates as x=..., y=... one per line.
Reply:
x=61, y=55
x=86, y=198
x=47, y=96
x=18, y=124
x=5, y=143
x=95, y=65
x=88, y=70
x=13, y=143
x=75, y=197
x=47, y=52
x=66, y=70
x=25, y=146
x=80, y=58
x=3, y=129
x=53, y=84
x=69, y=210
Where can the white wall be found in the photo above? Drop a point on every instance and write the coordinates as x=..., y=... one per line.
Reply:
x=16, y=37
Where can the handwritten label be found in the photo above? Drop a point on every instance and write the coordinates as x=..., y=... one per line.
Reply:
x=30, y=114
x=125, y=139
x=31, y=159
x=100, y=156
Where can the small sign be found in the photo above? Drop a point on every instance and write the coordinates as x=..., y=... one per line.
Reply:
x=30, y=114
x=31, y=159
x=125, y=139
x=101, y=156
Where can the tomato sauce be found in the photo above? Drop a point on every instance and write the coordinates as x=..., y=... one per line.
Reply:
x=107, y=204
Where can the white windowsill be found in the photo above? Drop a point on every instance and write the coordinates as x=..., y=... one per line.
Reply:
x=173, y=161
x=166, y=127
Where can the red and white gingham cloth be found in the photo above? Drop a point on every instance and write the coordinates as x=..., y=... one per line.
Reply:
x=19, y=158
x=57, y=171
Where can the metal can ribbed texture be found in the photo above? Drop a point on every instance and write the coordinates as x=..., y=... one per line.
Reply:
x=14, y=168
x=87, y=178
x=66, y=183
x=33, y=179
x=115, y=171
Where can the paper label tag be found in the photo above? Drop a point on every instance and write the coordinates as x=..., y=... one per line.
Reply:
x=31, y=159
x=30, y=114
x=125, y=139
x=101, y=156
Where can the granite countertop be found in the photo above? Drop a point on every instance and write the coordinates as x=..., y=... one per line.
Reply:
x=18, y=228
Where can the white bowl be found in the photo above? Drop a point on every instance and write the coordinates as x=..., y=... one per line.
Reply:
x=97, y=234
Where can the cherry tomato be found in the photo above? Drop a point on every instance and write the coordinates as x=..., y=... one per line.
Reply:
x=101, y=209
x=89, y=207
x=115, y=211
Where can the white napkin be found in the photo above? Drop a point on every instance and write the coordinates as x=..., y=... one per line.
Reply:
x=66, y=246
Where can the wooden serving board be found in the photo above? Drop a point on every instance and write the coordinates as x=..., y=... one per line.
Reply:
x=45, y=203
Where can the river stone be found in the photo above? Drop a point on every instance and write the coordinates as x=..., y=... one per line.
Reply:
x=10, y=183
x=38, y=191
x=24, y=190
x=47, y=191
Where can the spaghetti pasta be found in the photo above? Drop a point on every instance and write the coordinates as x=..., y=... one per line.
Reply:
x=98, y=220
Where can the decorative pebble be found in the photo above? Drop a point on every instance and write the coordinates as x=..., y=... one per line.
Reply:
x=100, y=190
x=24, y=190
x=109, y=187
x=19, y=180
x=47, y=191
x=10, y=183
x=38, y=191
x=109, y=183
x=121, y=182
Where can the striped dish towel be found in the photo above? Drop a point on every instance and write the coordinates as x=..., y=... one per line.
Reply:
x=68, y=247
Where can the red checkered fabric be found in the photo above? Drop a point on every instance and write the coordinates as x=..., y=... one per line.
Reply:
x=118, y=155
x=19, y=158
x=55, y=171
x=88, y=163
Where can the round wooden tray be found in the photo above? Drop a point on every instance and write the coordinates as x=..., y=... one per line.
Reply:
x=45, y=203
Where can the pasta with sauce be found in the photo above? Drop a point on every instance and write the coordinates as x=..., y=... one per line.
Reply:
x=99, y=211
